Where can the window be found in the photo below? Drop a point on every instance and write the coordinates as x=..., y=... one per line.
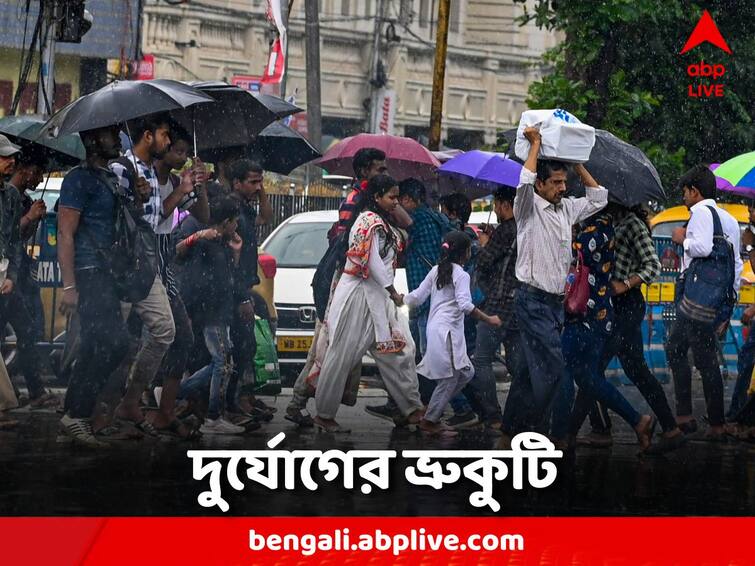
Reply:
x=455, y=16
x=345, y=7
x=424, y=13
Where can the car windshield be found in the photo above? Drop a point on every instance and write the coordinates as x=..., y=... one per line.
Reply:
x=299, y=244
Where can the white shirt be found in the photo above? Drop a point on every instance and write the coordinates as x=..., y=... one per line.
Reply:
x=544, y=232
x=445, y=323
x=699, y=240
x=153, y=208
x=166, y=224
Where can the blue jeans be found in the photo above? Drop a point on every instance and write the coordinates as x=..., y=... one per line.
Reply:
x=583, y=351
x=744, y=373
x=216, y=374
x=540, y=317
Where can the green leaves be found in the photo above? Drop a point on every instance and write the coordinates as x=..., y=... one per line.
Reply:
x=619, y=69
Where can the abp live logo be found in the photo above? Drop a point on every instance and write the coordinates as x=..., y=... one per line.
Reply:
x=706, y=30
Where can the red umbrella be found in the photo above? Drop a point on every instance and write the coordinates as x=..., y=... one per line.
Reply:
x=405, y=157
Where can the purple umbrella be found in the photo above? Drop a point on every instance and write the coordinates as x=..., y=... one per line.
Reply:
x=478, y=173
x=725, y=186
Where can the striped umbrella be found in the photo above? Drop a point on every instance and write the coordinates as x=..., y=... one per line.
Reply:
x=739, y=170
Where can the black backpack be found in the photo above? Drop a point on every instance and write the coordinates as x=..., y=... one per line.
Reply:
x=132, y=259
x=323, y=277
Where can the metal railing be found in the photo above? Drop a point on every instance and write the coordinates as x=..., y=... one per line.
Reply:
x=285, y=206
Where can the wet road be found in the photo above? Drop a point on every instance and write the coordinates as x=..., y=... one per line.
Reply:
x=42, y=477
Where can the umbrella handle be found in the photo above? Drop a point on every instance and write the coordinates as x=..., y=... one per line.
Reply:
x=133, y=155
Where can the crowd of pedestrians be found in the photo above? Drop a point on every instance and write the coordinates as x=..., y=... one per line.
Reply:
x=184, y=332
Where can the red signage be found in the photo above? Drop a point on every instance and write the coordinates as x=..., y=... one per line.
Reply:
x=144, y=69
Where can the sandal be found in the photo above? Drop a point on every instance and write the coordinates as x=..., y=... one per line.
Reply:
x=173, y=430
x=300, y=419
x=8, y=424
x=332, y=429
x=45, y=401
x=260, y=404
x=143, y=426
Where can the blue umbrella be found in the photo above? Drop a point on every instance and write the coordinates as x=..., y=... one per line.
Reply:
x=478, y=173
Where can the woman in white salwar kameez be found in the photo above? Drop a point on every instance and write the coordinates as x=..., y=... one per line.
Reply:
x=446, y=361
x=364, y=315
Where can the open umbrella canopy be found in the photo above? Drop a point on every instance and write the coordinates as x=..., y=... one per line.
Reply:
x=234, y=120
x=121, y=101
x=739, y=171
x=623, y=169
x=277, y=148
x=405, y=158
x=478, y=173
x=60, y=153
x=726, y=187
x=278, y=106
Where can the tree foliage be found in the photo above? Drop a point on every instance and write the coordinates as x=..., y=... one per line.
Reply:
x=619, y=68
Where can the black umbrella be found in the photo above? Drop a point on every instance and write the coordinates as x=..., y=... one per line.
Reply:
x=234, y=120
x=121, y=101
x=277, y=148
x=623, y=169
x=278, y=106
x=59, y=153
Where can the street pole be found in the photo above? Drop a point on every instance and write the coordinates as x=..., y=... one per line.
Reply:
x=314, y=109
x=46, y=86
x=375, y=63
x=439, y=74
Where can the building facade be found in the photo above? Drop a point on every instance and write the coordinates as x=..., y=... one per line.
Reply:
x=491, y=59
x=79, y=67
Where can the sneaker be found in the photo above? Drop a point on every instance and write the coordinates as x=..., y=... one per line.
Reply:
x=388, y=412
x=463, y=420
x=220, y=426
x=80, y=432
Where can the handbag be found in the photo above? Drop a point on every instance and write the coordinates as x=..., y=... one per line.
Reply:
x=577, y=291
x=706, y=288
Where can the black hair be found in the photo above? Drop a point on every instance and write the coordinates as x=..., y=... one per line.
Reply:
x=412, y=188
x=505, y=194
x=453, y=250
x=701, y=178
x=31, y=157
x=364, y=158
x=459, y=205
x=138, y=126
x=546, y=168
x=223, y=208
x=241, y=168
x=378, y=186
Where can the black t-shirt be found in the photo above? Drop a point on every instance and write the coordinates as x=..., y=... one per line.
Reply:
x=207, y=279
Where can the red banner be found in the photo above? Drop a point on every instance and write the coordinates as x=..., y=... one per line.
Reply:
x=379, y=540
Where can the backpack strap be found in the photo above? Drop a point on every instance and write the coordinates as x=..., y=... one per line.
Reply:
x=717, y=228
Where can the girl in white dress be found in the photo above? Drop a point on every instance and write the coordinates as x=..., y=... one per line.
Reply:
x=446, y=361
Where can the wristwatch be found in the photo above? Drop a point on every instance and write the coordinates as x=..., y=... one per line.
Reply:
x=749, y=248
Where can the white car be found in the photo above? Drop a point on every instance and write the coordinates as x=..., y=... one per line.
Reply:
x=298, y=244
